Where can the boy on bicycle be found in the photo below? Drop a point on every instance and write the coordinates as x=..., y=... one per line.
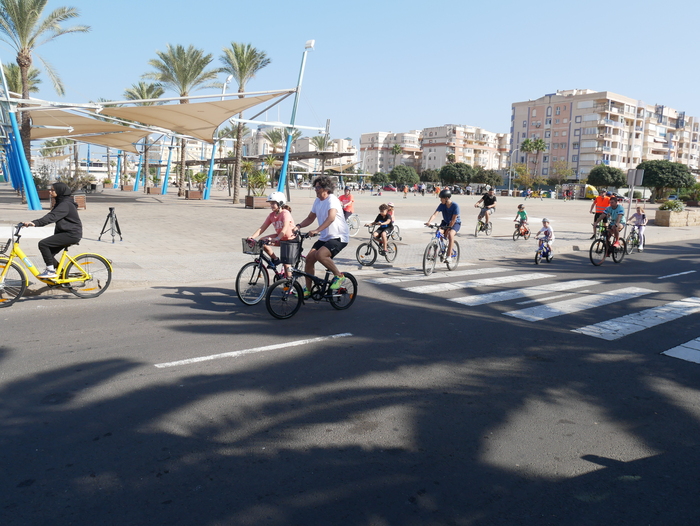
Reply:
x=451, y=222
x=615, y=214
x=385, y=223
x=489, y=200
x=547, y=233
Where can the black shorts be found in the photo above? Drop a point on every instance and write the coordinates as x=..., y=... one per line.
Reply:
x=597, y=215
x=388, y=229
x=334, y=245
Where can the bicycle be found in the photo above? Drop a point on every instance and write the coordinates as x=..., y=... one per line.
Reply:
x=481, y=226
x=396, y=233
x=253, y=279
x=543, y=251
x=633, y=240
x=86, y=275
x=367, y=252
x=521, y=230
x=436, y=249
x=600, y=231
x=285, y=297
x=602, y=248
x=353, y=222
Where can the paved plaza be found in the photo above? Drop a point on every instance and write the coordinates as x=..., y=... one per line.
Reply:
x=169, y=240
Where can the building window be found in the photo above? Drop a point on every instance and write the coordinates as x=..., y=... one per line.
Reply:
x=549, y=111
x=556, y=121
x=558, y=110
x=556, y=134
x=564, y=121
x=547, y=134
x=524, y=134
x=545, y=171
x=577, y=132
x=575, y=146
x=548, y=121
x=574, y=158
x=578, y=118
x=563, y=134
x=524, y=124
x=534, y=113
x=545, y=158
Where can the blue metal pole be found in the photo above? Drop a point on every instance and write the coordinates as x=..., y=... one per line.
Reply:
x=88, y=160
x=166, y=180
x=138, y=175
x=285, y=162
x=119, y=169
x=210, y=175
x=33, y=202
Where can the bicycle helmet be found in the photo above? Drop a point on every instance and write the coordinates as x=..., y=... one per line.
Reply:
x=608, y=194
x=445, y=194
x=277, y=197
x=545, y=220
x=390, y=204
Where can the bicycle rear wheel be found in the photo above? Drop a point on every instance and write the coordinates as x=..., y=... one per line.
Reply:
x=97, y=273
x=597, y=252
x=453, y=260
x=252, y=283
x=488, y=228
x=391, y=251
x=354, y=224
x=430, y=257
x=618, y=252
x=366, y=254
x=283, y=299
x=345, y=296
x=13, y=285
x=396, y=233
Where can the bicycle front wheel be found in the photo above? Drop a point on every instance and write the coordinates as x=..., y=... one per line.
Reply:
x=516, y=234
x=597, y=252
x=366, y=254
x=538, y=257
x=354, y=224
x=631, y=242
x=430, y=257
x=93, y=272
x=618, y=252
x=13, y=282
x=345, y=296
x=478, y=229
x=453, y=260
x=252, y=283
x=391, y=251
x=283, y=299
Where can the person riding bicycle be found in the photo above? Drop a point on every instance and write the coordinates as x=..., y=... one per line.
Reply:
x=547, y=233
x=333, y=230
x=68, y=230
x=521, y=216
x=385, y=223
x=640, y=221
x=615, y=214
x=348, y=203
x=489, y=201
x=600, y=203
x=451, y=222
x=281, y=219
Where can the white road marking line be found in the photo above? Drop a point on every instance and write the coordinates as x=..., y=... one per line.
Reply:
x=679, y=274
x=558, y=296
x=484, y=282
x=527, y=292
x=236, y=354
x=619, y=327
x=550, y=310
x=688, y=351
x=437, y=275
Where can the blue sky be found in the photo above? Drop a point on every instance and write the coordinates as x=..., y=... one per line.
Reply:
x=389, y=65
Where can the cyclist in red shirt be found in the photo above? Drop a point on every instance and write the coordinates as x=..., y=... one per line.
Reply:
x=348, y=203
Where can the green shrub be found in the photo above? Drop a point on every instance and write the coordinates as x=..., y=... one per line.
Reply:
x=636, y=195
x=675, y=206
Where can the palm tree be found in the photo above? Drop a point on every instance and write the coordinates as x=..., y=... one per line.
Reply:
x=535, y=146
x=275, y=137
x=144, y=91
x=182, y=70
x=396, y=150
x=22, y=29
x=14, y=78
x=242, y=61
x=322, y=144
x=295, y=135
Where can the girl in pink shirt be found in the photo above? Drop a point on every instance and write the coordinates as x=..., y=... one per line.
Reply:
x=281, y=220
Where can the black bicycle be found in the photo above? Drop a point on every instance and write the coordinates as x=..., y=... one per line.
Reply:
x=253, y=279
x=367, y=252
x=285, y=297
x=602, y=248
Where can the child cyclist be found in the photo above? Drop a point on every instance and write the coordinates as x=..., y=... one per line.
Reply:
x=546, y=234
x=281, y=219
x=451, y=221
x=386, y=225
x=639, y=219
x=521, y=216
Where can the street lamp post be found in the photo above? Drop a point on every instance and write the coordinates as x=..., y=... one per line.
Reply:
x=510, y=171
x=210, y=175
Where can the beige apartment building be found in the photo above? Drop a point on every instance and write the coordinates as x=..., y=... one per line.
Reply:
x=376, y=151
x=469, y=144
x=586, y=128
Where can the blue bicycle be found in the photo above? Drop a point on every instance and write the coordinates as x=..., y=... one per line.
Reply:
x=437, y=249
x=544, y=251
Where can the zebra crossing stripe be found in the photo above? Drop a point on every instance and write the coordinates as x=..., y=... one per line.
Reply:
x=484, y=282
x=436, y=275
x=527, y=292
x=550, y=310
x=625, y=325
x=688, y=351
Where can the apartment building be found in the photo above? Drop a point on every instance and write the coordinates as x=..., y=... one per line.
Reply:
x=377, y=151
x=468, y=144
x=586, y=128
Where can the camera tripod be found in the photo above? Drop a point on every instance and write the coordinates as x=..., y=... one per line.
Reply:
x=113, y=228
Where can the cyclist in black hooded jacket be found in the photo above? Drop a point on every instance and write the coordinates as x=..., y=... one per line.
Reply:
x=68, y=230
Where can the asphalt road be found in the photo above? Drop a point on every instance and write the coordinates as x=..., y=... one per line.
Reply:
x=420, y=411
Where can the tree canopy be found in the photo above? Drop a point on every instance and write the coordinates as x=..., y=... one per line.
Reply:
x=380, y=178
x=429, y=176
x=604, y=175
x=402, y=175
x=491, y=177
x=663, y=175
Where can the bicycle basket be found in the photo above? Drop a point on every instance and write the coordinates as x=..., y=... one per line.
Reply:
x=7, y=245
x=250, y=247
x=290, y=252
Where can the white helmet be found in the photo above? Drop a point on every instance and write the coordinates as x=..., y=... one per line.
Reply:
x=277, y=197
x=545, y=220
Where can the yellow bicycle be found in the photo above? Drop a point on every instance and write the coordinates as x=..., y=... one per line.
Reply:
x=85, y=275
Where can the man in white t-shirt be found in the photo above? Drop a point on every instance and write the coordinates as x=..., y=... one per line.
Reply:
x=333, y=230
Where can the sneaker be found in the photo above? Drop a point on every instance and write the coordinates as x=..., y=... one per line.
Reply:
x=337, y=282
x=640, y=249
x=616, y=244
x=47, y=274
